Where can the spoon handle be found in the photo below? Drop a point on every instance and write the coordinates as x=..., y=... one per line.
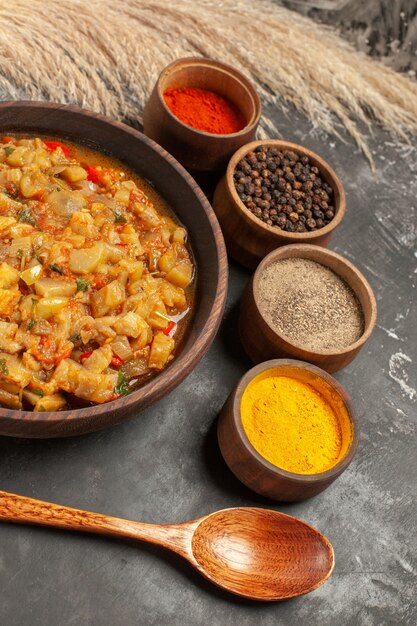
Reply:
x=22, y=510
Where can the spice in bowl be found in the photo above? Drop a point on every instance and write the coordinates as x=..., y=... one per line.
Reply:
x=204, y=110
x=310, y=305
x=284, y=190
x=292, y=423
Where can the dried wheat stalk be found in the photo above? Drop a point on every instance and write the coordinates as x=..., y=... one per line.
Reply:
x=106, y=55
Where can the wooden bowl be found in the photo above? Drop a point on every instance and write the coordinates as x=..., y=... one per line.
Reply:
x=261, y=342
x=198, y=151
x=248, y=239
x=254, y=470
x=191, y=207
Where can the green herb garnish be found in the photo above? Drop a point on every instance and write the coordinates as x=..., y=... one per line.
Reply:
x=56, y=268
x=30, y=324
x=119, y=218
x=38, y=257
x=19, y=253
x=3, y=367
x=122, y=387
x=8, y=150
x=82, y=284
x=75, y=338
x=38, y=392
x=26, y=216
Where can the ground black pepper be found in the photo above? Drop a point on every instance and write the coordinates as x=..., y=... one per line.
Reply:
x=310, y=304
x=284, y=190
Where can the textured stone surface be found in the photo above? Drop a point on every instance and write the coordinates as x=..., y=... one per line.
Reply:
x=165, y=466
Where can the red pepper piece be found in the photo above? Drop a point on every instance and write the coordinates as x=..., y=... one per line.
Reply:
x=7, y=139
x=169, y=328
x=85, y=355
x=93, y=174
x=53, y=145
x=117, y=361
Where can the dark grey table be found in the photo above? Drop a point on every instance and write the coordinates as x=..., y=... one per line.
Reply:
x=165, y=466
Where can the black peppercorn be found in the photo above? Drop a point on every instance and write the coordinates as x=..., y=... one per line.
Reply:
x=284, y=190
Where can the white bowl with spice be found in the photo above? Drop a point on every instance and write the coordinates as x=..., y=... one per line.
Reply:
x=308, y=303
x=288, y=430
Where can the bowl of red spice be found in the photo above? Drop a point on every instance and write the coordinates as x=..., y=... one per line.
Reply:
x=288, y=430
x=202, y=111
x=308, y=303
x=276, y=193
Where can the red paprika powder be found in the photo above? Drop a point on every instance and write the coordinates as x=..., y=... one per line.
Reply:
x=204, y=110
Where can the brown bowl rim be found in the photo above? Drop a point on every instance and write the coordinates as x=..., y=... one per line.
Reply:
x=237, y=76
x=307, y=479
x=127, y=403
x=255, y=222
x=325, y=253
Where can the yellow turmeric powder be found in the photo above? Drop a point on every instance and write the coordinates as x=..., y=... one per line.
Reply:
x=292, y=425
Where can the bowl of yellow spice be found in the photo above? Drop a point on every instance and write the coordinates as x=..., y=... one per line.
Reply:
x=288, y=430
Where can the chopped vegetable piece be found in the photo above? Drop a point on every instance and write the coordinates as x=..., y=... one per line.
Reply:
x=11, y=400
x=99, y=360
x=85, y=355
x=169, y=328
x=8, y=300
x=74, y=173
x=26, y=216
x=31, y=274
x=53, y=145
x=8, y=276
x=86, y=260
x=48, y=307
x=92, y=386
x=13, y=369
x=107, y=298
x=55, y=402
x=119, y=218
x=161, y=349
x=55, y=287
x=122, y=387
x=93, y=174
x=8, y=150
x=38, y=392
x=30, y=324
x=116, y=361
x=55, y=268
x=75, y=338
x=82, y=284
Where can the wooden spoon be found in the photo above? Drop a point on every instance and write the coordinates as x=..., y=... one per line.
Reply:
x=255, y=553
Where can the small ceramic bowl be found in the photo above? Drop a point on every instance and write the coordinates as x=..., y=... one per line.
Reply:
x=200, y=151
x=262, y=342
x=251, y=468
x=248, y=239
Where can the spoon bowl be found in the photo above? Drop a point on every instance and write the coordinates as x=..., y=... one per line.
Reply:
x=254, y=553
x=261, y=554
